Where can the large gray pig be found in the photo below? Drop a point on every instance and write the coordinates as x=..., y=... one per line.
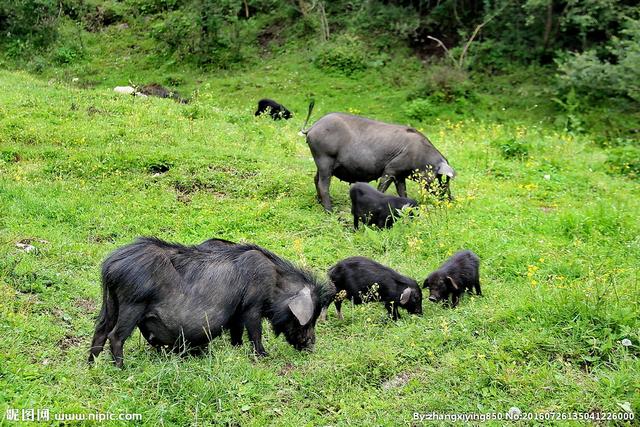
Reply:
x=357, y=149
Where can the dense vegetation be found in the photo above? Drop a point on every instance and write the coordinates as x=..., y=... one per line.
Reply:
x=539, y=117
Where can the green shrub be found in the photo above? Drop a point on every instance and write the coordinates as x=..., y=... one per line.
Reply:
x=344, y=55
x=28, y=23
x=624, y=160
x=66, y=55
x=570, y=120
x=9, y=156
x=148, y=7
x=512, y=148
x=589, y=74
x=444, y=83
x=206, y=32
x=419, y=109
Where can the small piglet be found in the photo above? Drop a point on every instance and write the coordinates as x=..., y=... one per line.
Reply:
x=362, y=280
x=459, y=273
x=372, y=207
x=276, y=110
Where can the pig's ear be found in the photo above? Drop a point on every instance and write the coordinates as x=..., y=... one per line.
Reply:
x=445, y=169
x=404, y=297
x=301, y=306
x=453, y=283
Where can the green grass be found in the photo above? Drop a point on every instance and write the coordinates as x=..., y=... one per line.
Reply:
x=78, y=178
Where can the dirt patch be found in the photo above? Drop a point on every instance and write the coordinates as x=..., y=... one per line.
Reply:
x=26, y=244
x=60, y=314
x=286, y=369
x=184, y=190
x=102, y=238
x=69, y=341
x=399, y=380
x=30, y=240
x=183, y=197
x=232, y=171
x=547, y=209
x=87, y=305
x=92, y=111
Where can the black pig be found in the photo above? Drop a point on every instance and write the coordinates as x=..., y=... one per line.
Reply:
x=459, y=273
x=372, y=207
x=275, y=110
x=357, y=277
x=184, y=296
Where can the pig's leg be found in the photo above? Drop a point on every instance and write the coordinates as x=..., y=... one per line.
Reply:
x=100, y=335
x=392, y=309
x=323, y=314
x=339, y=309
x=128, y=318
x=236, y=333
x=315, y=180
x=455, y=298
x=355, y=221
x=385, y=182
x=476, y=285
x=401, y=187
x=253, y=323
x=448, y=188
x=325, y=169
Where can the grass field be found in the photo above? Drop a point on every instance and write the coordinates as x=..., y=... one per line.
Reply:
x=84, y=170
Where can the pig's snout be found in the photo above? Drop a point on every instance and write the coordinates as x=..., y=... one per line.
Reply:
x=433, y=299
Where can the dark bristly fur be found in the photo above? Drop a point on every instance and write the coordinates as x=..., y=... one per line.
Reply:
x=372, y=207
x=276, y=110
x=184, y=296
x=459, y=273
x=357, y=276
x=155, y=89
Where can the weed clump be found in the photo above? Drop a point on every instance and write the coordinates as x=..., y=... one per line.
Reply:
x=419, y=109
x=443, y=83
x=624, y=161
x=512, y=148
x=345, y=55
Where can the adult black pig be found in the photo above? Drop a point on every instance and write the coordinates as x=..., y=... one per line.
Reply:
x=372, y=207
x=363, y=280
x=276, y=110
x=459, y=273
x=184, y=296
x=357, y=149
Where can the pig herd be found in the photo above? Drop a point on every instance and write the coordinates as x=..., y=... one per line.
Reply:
x=181, y=297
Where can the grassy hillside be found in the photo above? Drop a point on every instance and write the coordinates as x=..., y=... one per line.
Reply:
x=84, y=170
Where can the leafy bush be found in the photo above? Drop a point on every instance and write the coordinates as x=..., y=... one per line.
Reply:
x=66, y=54
x=589, y=74
x=570, y=106
x=28, y=23
x=625, y=160
x=512, y=148
x=343, y=55
x=444, y=83
x=177, y=33
x=9, y=156
x=148, y=7
x=419, y=109
x=206, y=32
x=389, y=22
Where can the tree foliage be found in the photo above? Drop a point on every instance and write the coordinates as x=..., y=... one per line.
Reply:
x=594, y=42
